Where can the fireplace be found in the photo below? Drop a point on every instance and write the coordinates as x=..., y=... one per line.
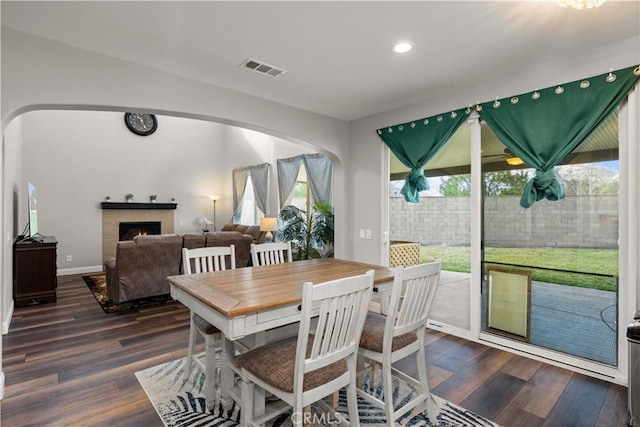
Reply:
x=129, y=230
x=113, y=213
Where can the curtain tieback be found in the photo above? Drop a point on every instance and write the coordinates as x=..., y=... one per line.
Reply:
x=414, y=183
x=544, y=185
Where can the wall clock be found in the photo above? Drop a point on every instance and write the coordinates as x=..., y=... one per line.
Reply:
x=142, y=124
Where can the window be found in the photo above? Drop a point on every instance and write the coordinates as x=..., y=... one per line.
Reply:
x=249, y=213
x=301, y=195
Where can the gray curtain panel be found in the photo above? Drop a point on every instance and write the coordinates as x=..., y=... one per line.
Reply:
x=260, y=180
x=319, y=173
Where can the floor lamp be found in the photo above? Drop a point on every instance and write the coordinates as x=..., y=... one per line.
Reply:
x=214, y=199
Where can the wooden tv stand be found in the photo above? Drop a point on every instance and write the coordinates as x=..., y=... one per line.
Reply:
x=35, y=271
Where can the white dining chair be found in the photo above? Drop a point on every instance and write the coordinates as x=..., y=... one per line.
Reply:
x=388, y=338
x=303, y=369
x=271, y=253
x=203, y=260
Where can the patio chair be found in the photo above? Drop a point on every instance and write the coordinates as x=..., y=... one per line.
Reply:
x=303, y=369
x=387, y=339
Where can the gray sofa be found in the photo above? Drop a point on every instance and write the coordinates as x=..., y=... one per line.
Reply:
x=141, y=266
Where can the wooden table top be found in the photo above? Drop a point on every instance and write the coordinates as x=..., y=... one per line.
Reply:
x=252, y=289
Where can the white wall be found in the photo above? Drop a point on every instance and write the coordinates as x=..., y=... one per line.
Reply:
x=12, y=166
x=76, y=158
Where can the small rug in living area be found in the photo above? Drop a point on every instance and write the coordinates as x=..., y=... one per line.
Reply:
x=181, y=403
x=97, y=284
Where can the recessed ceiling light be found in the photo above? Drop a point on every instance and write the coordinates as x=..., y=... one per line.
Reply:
x=403, y=47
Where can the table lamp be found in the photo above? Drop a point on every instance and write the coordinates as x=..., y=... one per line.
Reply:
x=214, y=198
x=269, y=225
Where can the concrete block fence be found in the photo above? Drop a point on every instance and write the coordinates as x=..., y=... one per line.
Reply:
x=573, y=222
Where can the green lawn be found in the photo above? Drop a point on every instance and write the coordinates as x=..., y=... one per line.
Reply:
x=600, y=261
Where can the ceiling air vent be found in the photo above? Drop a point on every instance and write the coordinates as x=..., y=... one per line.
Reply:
x=262, y=68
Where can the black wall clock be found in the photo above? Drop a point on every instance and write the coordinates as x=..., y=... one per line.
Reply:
x=141, y=123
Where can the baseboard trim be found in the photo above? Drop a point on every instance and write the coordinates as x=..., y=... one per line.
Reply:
x=6, y=322
x=79, y=270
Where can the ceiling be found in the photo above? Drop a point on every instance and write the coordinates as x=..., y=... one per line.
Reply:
x=337, y=54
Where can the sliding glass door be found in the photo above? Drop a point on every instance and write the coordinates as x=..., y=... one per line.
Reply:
x=550, y=272
x=438, y=227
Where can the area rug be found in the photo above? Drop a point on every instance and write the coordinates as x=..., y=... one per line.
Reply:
x=97, y=284
x=181, y=403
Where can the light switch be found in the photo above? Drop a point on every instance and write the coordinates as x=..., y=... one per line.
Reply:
x=362, y=233
x=369, y=234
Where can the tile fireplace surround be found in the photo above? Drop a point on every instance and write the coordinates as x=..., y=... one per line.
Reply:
x=114, y=213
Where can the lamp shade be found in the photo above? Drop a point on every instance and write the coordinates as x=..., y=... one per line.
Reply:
x=214, y=197
x=268, y=224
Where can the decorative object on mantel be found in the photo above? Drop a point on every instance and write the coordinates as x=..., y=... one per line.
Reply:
x=153, y=197
x=173, y=200
x=107, y=199
x=214, y=199
x=128, y=197
x=204, y=224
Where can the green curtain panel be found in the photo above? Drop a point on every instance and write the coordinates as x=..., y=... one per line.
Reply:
x=545, y=126
x=415, y=143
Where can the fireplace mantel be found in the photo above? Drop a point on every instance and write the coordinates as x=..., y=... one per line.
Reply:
x=136, y=205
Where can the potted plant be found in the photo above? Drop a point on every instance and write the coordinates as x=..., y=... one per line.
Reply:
x=310, y=233
x=128, y=197
x=153, y=197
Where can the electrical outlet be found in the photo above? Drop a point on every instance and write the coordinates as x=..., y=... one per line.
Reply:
x=369, y=234
x=181, y=223
x=69, y=258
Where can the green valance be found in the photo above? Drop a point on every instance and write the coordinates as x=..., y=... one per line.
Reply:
x=543, y=127
x=415, y=143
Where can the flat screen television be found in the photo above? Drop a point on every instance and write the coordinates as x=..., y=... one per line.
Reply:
x=33, y=212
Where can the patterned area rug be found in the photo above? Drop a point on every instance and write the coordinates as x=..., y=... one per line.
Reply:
x=97, y=284
x=181, y=403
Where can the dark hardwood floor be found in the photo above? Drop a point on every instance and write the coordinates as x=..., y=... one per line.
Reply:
x=68, y=363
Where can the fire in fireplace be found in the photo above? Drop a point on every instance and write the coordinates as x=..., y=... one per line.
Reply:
x=129, y=230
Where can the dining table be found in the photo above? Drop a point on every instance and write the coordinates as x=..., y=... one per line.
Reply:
x=251, y=301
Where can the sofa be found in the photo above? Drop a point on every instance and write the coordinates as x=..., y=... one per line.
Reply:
x=252, y=230
x=141, y=266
